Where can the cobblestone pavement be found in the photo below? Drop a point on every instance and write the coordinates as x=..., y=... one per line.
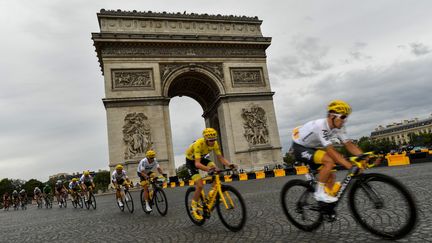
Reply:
x=266, y=221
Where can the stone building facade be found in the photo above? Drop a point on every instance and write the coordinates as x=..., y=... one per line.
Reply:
x=400, y=132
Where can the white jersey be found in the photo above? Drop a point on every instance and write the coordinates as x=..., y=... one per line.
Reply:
x=145, y=166
x=115, y=176
x=37, y=191
x=317, y=133
x=85, y=179
x=73, y=185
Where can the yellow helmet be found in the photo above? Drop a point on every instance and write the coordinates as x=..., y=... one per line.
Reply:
x=209, y=133
x=119, y=167
x=74, y=179
x=151, y=154
x=86, y=173
x=339, y=107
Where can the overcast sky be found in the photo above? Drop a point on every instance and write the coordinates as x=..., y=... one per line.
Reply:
x=377, y=55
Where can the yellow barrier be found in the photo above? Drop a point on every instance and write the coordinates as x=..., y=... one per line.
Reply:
x=243, y=177
x=191, y=183
x=164, y=185
x=301, y=170
x=172, y=184
x=227, y=178
x=260, y=174
x=279, y=172
x=397, y=159
x=181, y=183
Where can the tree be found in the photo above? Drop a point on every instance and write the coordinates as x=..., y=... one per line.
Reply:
x=182, y=172
x=6, y=186
x=102, y=180
x=30, y=185
x=289, y=159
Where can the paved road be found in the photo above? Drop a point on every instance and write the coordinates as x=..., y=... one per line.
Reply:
x=265, y=223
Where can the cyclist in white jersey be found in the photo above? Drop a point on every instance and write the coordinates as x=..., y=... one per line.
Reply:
x=86, y=182
x=120, y=178
x=145, y=171
x=324, y=133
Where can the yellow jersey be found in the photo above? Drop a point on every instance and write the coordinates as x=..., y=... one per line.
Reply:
x=200, y=148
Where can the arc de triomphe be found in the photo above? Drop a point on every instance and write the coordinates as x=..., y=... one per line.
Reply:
x=147, y=58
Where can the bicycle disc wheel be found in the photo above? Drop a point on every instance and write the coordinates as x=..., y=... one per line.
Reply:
x=383, y=206
x=161, y=202
x=188, y=200
x=233, y=214
x=92, y=201
x=129, y=201
x=143, y=202
x=299, y=205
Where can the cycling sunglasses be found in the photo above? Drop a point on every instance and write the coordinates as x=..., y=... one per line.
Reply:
x=343, y=117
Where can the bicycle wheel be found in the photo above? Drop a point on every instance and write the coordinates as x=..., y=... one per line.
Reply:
x=129, y=201
x=299, y=205
x=383, y=206
x=188, y=200
x=92, y=201
x=233, y=214
x=160, y=200
x=122, y=206
x=80, y=201
x=74, y=203
x=143, y=202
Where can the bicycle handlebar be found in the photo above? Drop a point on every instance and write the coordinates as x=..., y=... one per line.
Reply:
x=220, y=171
x=359, y=159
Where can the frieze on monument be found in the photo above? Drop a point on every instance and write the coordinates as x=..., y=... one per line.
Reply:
x=136, y=135
x=166, y=69
x=169, y=51
x=145, y=22
x=135, y=79
x=247, y=77
x=255, y=125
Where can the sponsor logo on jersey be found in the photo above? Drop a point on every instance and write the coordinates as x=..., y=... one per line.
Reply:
x=306, y=155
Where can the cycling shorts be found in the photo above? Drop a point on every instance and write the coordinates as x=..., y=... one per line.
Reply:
x=311, y=156
x=193, y=171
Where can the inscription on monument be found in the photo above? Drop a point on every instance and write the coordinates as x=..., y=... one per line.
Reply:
x=255, y=125
x=247, y=77
x=136, y=135
x=127, y=79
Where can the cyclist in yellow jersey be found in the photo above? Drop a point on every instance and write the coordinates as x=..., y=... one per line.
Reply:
x=196, y=160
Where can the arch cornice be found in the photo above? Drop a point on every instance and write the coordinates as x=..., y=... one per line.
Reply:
x=172, y=71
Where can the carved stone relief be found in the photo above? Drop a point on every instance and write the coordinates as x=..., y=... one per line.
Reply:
x=255, y=125
x=125, y=79
x=153, y=51
x=167, y=69
x=136, y=135
x=247, y=77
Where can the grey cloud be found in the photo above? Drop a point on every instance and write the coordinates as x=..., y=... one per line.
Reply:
x=419, y=49
x=306, y=60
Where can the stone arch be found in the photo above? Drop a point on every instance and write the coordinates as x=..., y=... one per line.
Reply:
x=195, y=82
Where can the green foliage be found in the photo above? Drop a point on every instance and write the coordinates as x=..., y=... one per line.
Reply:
x=289, y=159
x=6, y=186
x=367, y=144
x=30, y=185
x=182, y=172
x=102, y=180
x=422, y=139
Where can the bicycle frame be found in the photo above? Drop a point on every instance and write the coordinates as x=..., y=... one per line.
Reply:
x=217, y=187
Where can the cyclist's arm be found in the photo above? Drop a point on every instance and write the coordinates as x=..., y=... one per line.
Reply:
x=223, y=160
x=336, y=156
x=201, y=166
x=160, y=170
x=352, y=148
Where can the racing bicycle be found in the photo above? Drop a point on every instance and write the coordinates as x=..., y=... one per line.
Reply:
x=126, y=199
x=227, y=200
x=157, y=197
x=379, y=203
